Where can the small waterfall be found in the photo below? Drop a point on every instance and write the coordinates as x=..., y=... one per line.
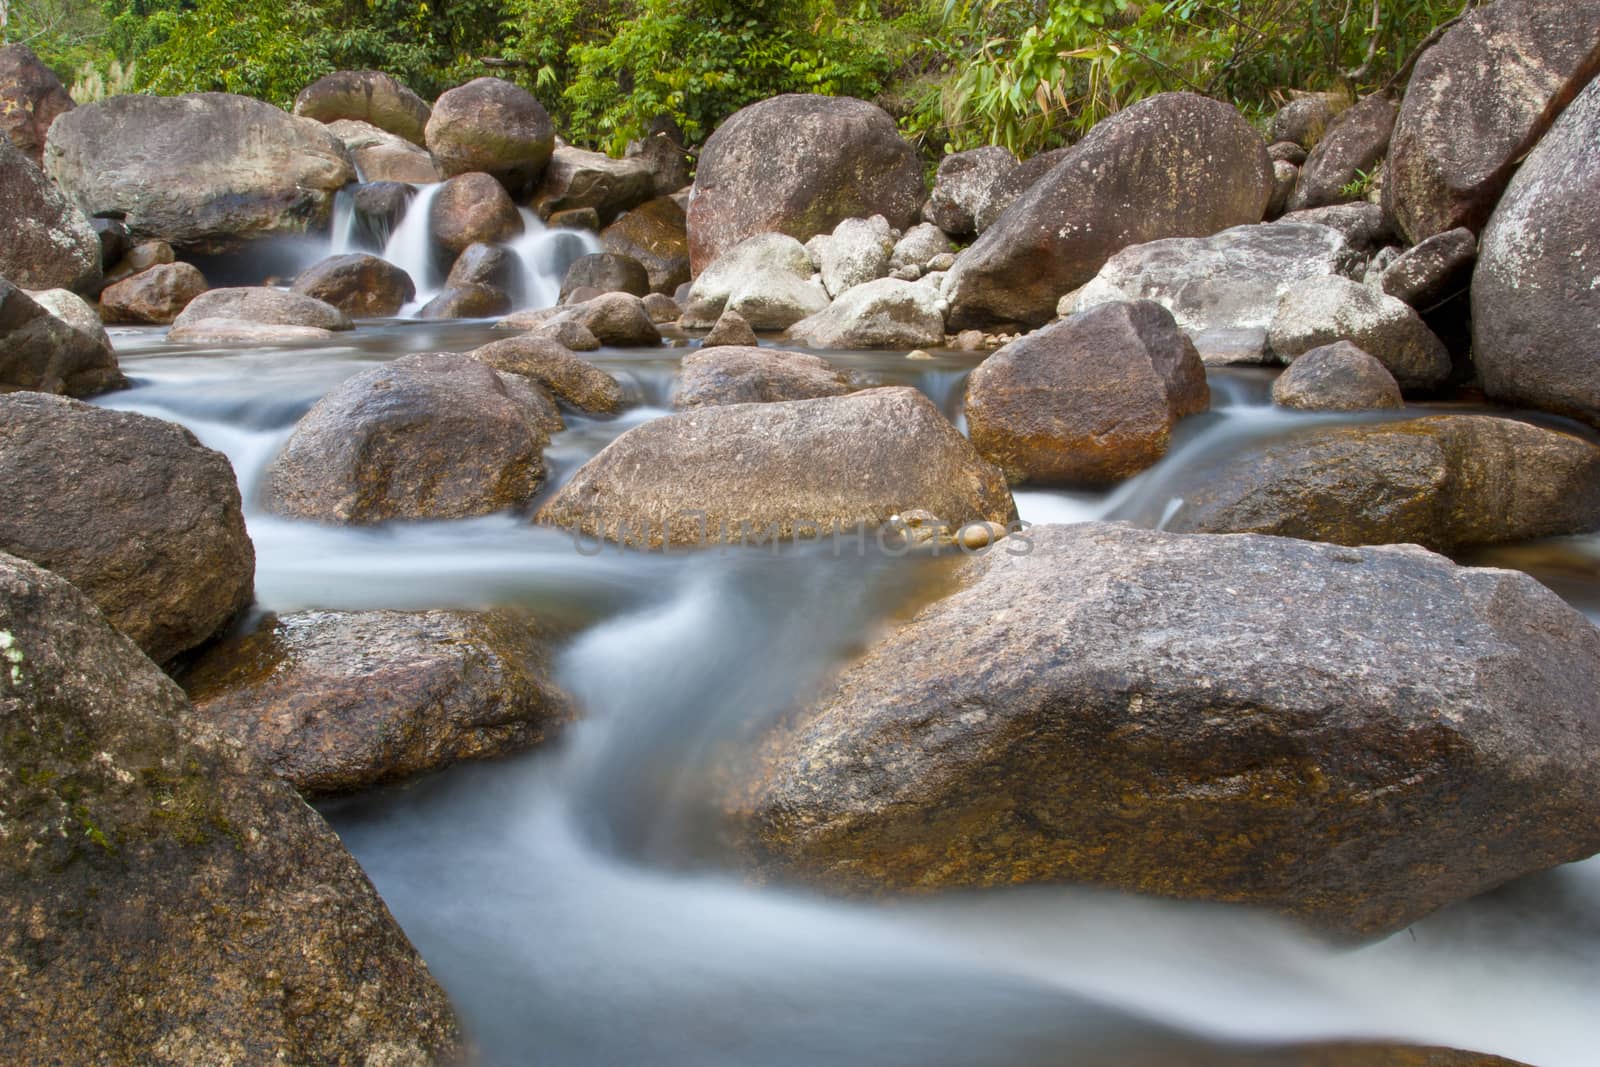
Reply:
x=342, y=236
x=545, y=255
x=410, y=247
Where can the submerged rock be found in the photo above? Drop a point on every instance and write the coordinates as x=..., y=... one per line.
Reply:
x=163, y=897
x=1174, y=165
x=337, y=702
x=733, y=374
x=1352, y=737
x=1336, y=377
x=799, y=165
x=1443, y=481
x=132, y=510
x=428, y=436
x=1087, y=401
x=794, y=470
x=43, y=353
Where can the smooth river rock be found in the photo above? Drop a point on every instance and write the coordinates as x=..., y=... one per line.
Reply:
x=492, y=126
x=342, y=701
x=155, y=296
x=794, y=470
x=1351, y=737
x=656, y=234
x=1336, y=377
x=887, y=313
x=570, y=379
x=358, y=284
x=215, y=313
x=165, y=899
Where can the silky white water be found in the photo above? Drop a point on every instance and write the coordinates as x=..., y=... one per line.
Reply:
x=576, y=904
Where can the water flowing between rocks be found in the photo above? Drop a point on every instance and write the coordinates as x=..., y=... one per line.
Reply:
x=574, y=902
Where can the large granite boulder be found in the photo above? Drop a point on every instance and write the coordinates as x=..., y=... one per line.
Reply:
x=358, y=284
x=961, y=185
x=1478, y=101
x=887, y=313
x=1352, y=737
x=31, y=98
x=1230, y=280
x=765, y=278
x=656, y=234
x=577, y=178
x=427, y=436
x=1320, y=311
x=738, y=374
x=206, y=172
x=48, y=242
x=368, y=96
x=1443, y=481
x=794, y=470
x=494, y=127
x=1535, y=295
x=43, y=353
x=341, y=701
x=1087, y=401
x=799, y=165
x=1353, y=146
x=1174, y=165
x=133, y=511
x=164, y=899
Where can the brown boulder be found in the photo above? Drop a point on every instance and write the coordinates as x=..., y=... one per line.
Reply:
x=42, y=353
x=961, y=185
x=485, y=264
x=1352, y=737
x=576, y=178
x=164, y=899
x=614, y=319
x=606, y=272
x=1478, y=101
x=254, y=306
x=155, y=296
x=48, y=243
x=427, y=436
x=380, y=156
x=366, y=96
x=31, y=96
x=358, y=284
x=800, y=165
x=574, y=381
x=341, y=701
x=1443, y=481
x=1088, y=401
x=795, y=470
x=1353, y=146
x=471, y=209
x=733, y=374
x=1336, y=377
x=731, y=328
x=132, y=510
x=1174, y=165
x=494, y=127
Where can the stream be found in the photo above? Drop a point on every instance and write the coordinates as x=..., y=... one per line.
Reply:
x=574, y=900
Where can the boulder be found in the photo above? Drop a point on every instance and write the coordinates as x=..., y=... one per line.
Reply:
x=486, y=265
x=922, y=245
x=211, y=332
x=43, y=353
x=960, y=186
x=731, y=329
x=258, y=306
x=1351, y=737
x=606, y=272
x=49, y=243
x=75, y=311
x=163, y=897
x=384, y=157
x=587, y=218
x=1303, y=120
x=795, y=470
x=887, y=313
x=766, y=279
x=575, y=382
x=470, y=301
x=132, y=510
x=1285, y=177
x=1010, y=186
x=1434, y=270
x=1478, y=100
x=337, y=702
x=1173, y=165
x=1230, y=280
x=614, y=319
x=1320, y=311
x=1354, y=145
x=1363, y=225
x=734, y=374
x=207, y=172
x=1336, y=377
x=1088, y=401
x=1287, y=152
x=379, y=209
x=31, y=97
x=656, y=234
x=662, y=308
x=366, y=96
x=138, y=259
x=491, y=126
x=855, y=253
x=114, y=242
x=1535, y=295
x=799, y=165
x=576, y=178
x=152, y=297
x=427, y=436
x=1245, y=346
x=358, y=284
x=471, y=209
x=663, y=155
x=1444, y=481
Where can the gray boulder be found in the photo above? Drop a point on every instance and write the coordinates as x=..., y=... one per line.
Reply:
x=380, y=156
x=473, y=209
x=766, y=278
x=1432, y=271
x=1320, y=311
x=42, y=353
x=366, y=96
x=49, y=243
x=921, y=245
x=1009, y=186
x=887, y=313
x=858, y=251
x=254, y=306
x=960, y=186
x=731, y=329
x=1303, y=120
x=1354, y=145
x=576, y=178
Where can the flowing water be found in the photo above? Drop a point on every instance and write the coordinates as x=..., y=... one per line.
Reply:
x=574, y=902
